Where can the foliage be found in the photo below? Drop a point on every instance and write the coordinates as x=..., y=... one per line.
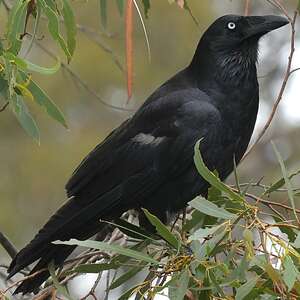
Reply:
x=226, y=248
x=17, y=87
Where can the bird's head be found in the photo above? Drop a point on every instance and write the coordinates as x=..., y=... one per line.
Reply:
x=232, y=42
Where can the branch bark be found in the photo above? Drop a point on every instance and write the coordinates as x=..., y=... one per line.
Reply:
x=8, y=245
x=282, y=89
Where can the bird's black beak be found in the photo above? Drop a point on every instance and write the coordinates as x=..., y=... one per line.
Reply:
x=260, y=25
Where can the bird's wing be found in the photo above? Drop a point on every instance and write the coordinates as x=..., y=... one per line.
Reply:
x=150, y=142
x=133, y=162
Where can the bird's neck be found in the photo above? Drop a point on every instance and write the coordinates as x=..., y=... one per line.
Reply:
x=227, y=68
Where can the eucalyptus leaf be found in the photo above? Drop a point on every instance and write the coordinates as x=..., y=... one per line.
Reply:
x=109, y=247
x=211, y=209
x=162, y=229
x=246, y=288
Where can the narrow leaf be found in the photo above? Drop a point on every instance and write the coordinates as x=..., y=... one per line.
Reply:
x=246, y=288
x=60, y=288
x=129, y=45
x=24, y=117
x=290, y=273
x=287, y=181
x=108, y=247
x=146, y=4
x=70, y=25
x=126, y=276
x=280, y=183
x=211, y=209
x=162, y=230
x=44, y=100
x=94, y=268
x=120, y=4
x=103, y=12
x=179, y=287
x=53, y=27
x=204, y=232
x=210, y=177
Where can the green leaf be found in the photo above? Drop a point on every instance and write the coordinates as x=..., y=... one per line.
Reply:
x=70, y=25
x=16, y=25
x=286, y=179
x=29, y=66
x=211, y=178
x=290, y=273
x=120, y=4
x=132, y=230
x=108, y=247
x=103, y=12
x=60, y=288
x=146, y=4
x=162, y=230
x=211, y=209
x=246, y=288
x=178, y=289
x=280, y=183
x=42, y=70
x=53, y=27
x=94, y=268
x=126, y=276
x=44, y=100
x=24, y=117
x=204, y=232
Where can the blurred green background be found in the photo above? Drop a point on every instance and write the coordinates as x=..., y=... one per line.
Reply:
x=32, y=176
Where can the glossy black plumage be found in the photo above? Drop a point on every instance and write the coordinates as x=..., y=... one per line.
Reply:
x=148, y=161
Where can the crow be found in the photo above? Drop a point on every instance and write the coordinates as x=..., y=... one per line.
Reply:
x=147, y=162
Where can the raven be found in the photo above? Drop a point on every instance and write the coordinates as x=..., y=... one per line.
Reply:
x=147, y=162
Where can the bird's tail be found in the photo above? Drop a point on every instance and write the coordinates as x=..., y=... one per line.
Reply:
x=57, y=254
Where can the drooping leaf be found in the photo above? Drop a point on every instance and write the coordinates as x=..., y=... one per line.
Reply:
x=120, y=5
x=178, y=288
x=211, y=209
x=126, y=276
x=204, y=232
x=280, y=183
x=70, y=25
x=16, y=25
x=286, y=179
x=290, y=273
x=60, y=288
x=94, y=268
x=53, y=27
x=146, y=4
x=103, y=12
x=108, y=247
x=210, y=177
x=26, y=65
x=24, y=117
x=44, y=100
x=246, y=288
x=162, y=229
x=129, y=45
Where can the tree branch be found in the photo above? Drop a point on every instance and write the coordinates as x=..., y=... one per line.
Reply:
x=282, y=89
x=3, y=108
x=8, y=245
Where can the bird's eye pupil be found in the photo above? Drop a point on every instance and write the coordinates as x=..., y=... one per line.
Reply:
x=231, y=25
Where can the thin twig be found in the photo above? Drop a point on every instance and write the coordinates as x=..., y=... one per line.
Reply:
x=247, y=8
x=282, y=89
x=81, y=81
x=8, y=245
x=3, y=108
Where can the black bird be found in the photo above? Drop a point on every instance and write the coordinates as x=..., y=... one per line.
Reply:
x=147, y=162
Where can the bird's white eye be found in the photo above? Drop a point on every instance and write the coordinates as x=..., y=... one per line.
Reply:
x=231, y=25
